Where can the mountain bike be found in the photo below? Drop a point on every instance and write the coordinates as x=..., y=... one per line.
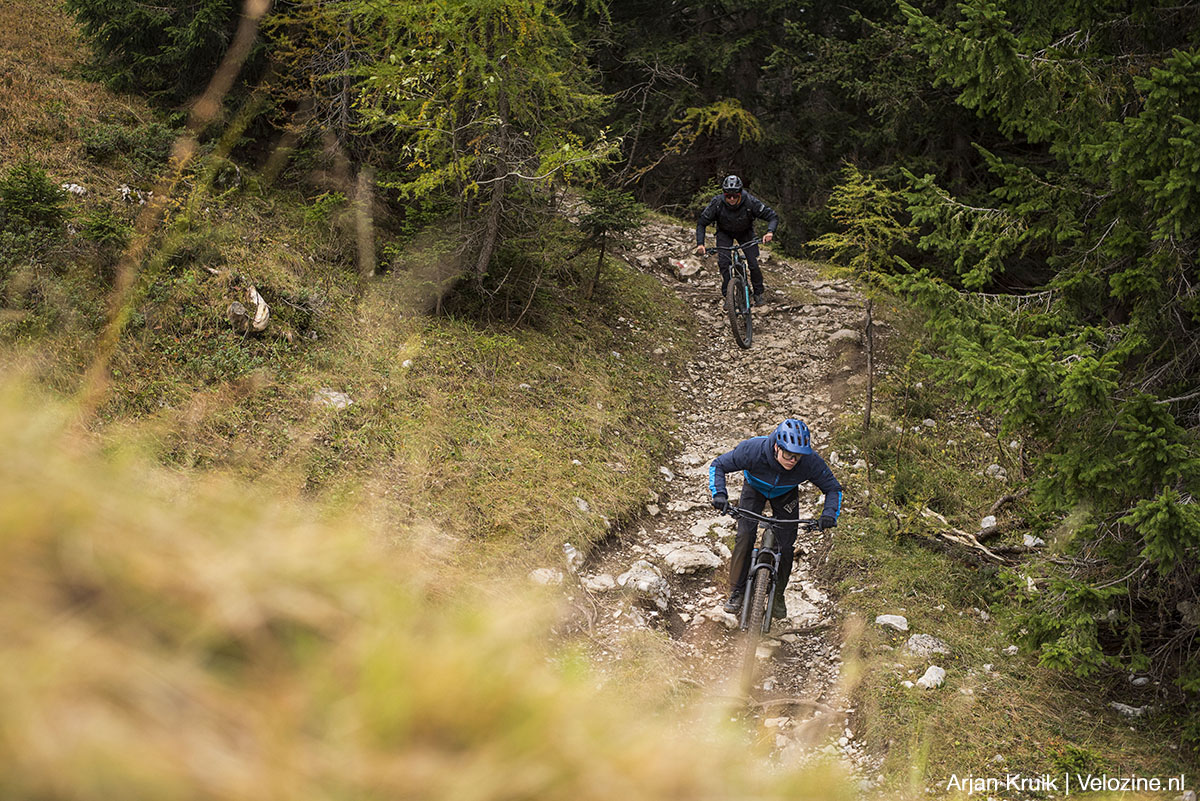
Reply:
x=738, y=293
x=759, y=598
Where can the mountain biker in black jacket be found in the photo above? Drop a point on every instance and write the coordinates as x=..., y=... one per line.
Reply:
x=775, y=466
x=734, y=212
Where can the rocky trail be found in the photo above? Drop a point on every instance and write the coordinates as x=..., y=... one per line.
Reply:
x=668, y=571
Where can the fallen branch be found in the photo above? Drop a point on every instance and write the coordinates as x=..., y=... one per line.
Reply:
x=959, y=537
x=1004, y=499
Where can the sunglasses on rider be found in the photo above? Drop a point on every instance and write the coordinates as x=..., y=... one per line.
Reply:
x=732, y=195
x=791, y=457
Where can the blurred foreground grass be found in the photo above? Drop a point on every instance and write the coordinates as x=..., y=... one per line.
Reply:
x=164, y=636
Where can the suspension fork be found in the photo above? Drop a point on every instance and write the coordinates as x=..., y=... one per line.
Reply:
x=758, y=557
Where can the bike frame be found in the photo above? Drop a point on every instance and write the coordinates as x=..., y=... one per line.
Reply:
x=768, y=555
x=739, y=289
x=739, y=264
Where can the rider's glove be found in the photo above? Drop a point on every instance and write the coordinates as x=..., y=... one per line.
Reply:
x=827, y=521
x=720, y=502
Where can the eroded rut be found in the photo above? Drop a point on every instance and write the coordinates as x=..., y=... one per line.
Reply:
x=806, y=356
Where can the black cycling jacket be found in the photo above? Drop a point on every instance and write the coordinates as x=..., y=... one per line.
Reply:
x=738, y=221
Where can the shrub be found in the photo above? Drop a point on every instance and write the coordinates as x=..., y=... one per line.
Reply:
x=29, y=199
x=105, y=228
x=170, y=48
x=143, y=146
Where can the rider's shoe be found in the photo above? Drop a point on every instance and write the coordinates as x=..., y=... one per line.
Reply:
x=734, y=604
x=758, y=298
x=725, y=303
x=779, y=608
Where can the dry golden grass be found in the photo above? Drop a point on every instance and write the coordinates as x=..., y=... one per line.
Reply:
x=42, y=101
x=166, y=637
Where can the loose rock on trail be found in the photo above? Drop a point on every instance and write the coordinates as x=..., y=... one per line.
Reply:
x=668, y=571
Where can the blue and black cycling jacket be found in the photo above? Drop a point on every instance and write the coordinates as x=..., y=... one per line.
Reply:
x=756, y=458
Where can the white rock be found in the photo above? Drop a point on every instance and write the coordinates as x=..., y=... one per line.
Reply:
x=684, y=558
x=331, y=397
x=934, y=677
x=1011, y=650
x=1130, y=711
x=1139, y=681
x=652, y=509
x=686, y=268
x=925, y=645
x=666, y=471
x=582, y=505
x=600, y=583
x=845, y=335
x=996, y=471
x=929, y=422
x=573, y=556
x=999, y=759
x=546, y=576
x=646, y=582
x=1033, y=542
x=897, y=622
x=406, y=364
x=907, y=683
x=987, y=522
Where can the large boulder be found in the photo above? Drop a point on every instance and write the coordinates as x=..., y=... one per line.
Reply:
x=684, y=558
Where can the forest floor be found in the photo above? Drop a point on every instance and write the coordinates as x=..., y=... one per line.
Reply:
x=798, y=368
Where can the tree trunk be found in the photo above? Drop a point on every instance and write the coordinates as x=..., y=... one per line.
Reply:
x=870, y=365
x=364, y=219
x=492, y=232
x=599, y=263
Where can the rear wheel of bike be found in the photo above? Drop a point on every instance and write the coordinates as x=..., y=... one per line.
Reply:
x=738, y=297
x=760, y=584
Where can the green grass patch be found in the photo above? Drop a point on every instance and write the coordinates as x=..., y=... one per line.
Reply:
x=997, y=713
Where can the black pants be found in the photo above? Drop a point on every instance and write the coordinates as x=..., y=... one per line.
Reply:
x=784, y=506
x=724, y=257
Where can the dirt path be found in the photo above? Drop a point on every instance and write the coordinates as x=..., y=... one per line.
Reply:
x=799, y=366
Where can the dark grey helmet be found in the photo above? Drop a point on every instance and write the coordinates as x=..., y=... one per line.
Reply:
x=731, y=184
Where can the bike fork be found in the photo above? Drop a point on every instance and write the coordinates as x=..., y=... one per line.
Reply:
x=747, y=594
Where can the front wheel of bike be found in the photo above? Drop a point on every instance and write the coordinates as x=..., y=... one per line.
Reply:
x=738, y=300
x=759, y=586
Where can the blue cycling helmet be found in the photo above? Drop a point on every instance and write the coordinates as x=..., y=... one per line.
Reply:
x=792, y=435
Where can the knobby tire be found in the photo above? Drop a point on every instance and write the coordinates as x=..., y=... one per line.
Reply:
x=761, y=580
x=739, y=311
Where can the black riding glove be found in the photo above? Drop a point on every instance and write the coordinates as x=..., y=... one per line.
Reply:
x=827, y=521
x=720, y=502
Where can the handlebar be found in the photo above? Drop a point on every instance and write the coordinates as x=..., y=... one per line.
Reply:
x=737, y=511
x=739, y=246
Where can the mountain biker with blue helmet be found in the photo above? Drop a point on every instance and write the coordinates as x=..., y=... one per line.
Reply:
x=774, y=468
x=734, y=211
